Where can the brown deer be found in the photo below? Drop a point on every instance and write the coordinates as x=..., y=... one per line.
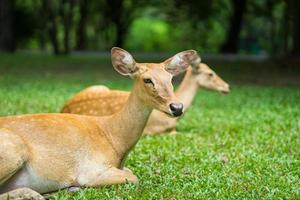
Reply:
x=48, y=152
x=100, y=101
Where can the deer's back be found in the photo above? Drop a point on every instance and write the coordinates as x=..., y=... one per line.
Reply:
x=96, y=101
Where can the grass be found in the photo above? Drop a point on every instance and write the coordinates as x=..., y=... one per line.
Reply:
x=241, y=146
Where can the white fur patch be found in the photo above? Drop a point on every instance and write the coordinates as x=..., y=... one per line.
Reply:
x=176, y=60
x=89, y=168
x=128, y=60
x=26, y=177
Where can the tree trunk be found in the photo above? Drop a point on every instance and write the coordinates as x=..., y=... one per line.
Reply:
x=116, y=10
x=52, y=25
x=67, y=14
x=53, y=34
x=42, y=32
x=295, y=6
x=80, y=33
x=231, y=43
x=7, y=39
x=120, y=34
x=286, y=30
x=270, y=5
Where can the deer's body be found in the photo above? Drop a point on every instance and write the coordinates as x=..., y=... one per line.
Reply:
x=68, y=150
x=47, y=152
x=100, y=101
x=55, y=158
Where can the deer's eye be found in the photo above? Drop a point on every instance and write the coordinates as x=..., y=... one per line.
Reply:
x=148, y=81
x=211, y=74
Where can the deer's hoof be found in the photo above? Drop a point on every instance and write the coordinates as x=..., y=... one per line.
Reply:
x=73, y=189
x=133, y=179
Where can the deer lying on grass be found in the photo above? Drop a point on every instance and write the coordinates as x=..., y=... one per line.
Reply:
x=48, y=152
x=100, y=101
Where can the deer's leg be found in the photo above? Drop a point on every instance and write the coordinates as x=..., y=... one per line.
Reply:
x=9, y=165
x=127, y=169
x=21, y=193
x=13, y=155
x=173, y=132
x=113, y=176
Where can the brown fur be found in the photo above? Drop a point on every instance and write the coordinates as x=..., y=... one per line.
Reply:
x=98, y=102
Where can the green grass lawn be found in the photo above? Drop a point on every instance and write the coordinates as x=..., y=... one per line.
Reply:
x=256, y=128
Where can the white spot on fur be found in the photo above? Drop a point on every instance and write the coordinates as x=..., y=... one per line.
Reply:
x=128, y=60
x=176, y=60
x=28, y=178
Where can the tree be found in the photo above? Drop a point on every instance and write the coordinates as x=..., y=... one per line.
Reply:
x=116, y=12
x=55, y=13
x=51, y=23
x=231, y=43
x=7, y=39
x=191, y=21
x=295, y=7
x=120, y=14
x=67, y=16
x=80, y=32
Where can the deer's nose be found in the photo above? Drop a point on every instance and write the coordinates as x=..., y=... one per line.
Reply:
x=176, y=109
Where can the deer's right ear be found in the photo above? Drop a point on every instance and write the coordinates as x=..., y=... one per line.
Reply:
x=123, y=62
x=180, y=61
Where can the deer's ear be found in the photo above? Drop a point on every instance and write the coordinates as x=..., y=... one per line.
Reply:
x=196, y=61
x=196, y=64
x=180, y=62
x=123, y=62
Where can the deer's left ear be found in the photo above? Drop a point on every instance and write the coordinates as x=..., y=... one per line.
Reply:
x=180, y=62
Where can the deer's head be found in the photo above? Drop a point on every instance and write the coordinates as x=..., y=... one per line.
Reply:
x=153, y=81
x=208, y=79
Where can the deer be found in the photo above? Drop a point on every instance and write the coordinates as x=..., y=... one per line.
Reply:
x=92, y=100
x=51, y=151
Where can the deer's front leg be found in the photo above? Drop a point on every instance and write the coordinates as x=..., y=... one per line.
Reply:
x=173, y=132
x=127, y=169
x=113, y=176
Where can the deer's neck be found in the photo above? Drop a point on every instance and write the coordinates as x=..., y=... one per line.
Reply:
x=187, y=89
x=126, y=127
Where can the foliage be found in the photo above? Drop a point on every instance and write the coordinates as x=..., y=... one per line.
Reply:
x=168, y=25
x=149, y=34
x=268, y=20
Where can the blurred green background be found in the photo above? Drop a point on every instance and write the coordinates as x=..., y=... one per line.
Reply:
x=267, y=27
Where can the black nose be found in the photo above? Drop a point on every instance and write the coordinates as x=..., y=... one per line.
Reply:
x=176, y=109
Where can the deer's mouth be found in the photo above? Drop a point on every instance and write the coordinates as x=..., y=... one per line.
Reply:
x=177, y=114
x=171, y=114
x=225, y=91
